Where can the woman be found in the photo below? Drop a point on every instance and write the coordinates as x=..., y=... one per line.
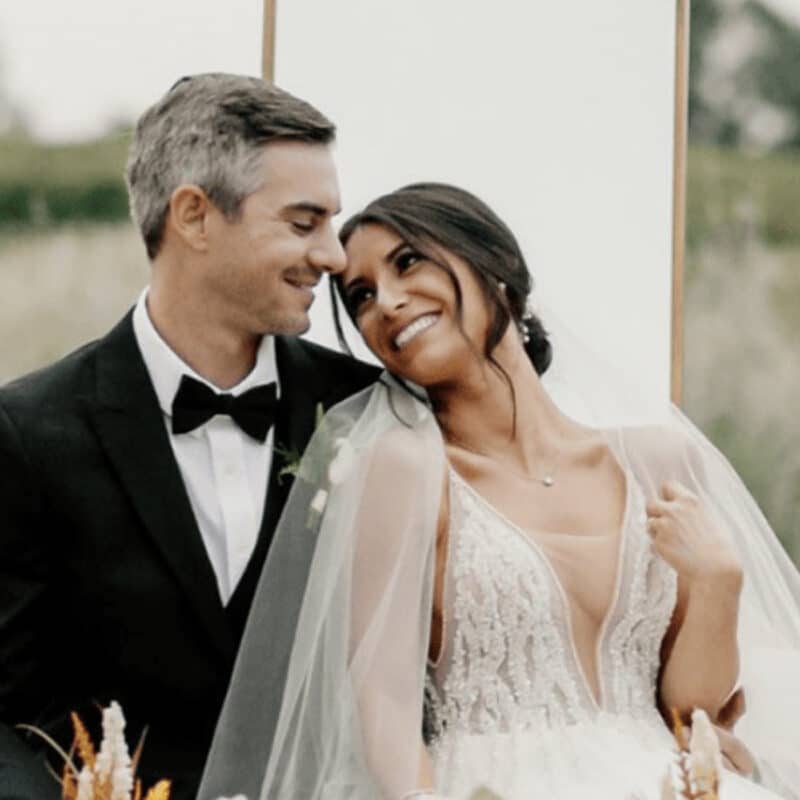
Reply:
x=564, y=583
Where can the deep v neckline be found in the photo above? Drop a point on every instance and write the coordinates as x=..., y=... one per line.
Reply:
x=598, y=700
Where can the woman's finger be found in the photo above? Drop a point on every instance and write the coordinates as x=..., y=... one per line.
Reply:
x=655, y=525
x=672, y=490
x=656, y=508
x=735, y=753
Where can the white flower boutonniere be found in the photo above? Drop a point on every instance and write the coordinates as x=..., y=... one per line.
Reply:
x=340, y=466
x=343, y=461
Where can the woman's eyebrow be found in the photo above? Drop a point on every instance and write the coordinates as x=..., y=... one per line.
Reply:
x=355, y=282
x=390, y=256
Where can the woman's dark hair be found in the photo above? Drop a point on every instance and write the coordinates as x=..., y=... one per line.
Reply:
x=430, y=216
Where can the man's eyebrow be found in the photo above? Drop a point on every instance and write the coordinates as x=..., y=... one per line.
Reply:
x=311, y=208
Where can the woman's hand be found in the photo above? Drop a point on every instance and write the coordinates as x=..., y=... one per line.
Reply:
x=686, y=537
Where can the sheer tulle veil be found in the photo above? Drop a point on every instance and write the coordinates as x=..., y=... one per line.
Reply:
x=327, y=696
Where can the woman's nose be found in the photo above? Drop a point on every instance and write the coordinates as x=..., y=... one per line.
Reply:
x=390, y=298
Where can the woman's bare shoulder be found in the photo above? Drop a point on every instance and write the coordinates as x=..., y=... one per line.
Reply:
x=668, y=450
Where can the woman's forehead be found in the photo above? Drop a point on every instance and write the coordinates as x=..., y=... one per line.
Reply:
x=369, y=245
x=372, y=236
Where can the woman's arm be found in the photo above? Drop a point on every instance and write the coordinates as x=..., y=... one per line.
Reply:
x=437, y=643
x=396, y=614
x=701, y=657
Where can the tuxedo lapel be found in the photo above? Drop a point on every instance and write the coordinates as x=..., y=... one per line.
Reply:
x=131, y=428
x=309, y=384
x=303, y=387
x=301, y=392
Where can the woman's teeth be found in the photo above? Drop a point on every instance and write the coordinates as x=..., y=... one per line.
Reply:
x=416, y=327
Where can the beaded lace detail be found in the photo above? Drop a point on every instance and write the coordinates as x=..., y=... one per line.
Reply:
x=509, y=661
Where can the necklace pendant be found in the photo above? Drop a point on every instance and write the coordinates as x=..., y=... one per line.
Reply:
x=548, y=481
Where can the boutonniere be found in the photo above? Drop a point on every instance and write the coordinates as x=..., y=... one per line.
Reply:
x=291, y=457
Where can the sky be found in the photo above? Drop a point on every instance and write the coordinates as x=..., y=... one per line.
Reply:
x=75, y=68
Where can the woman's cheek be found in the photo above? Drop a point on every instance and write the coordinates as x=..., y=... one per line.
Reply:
x=369, y=334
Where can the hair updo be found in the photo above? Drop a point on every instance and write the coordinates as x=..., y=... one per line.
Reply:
x=431, y=215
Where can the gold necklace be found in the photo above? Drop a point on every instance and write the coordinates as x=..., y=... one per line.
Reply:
x=546, y=479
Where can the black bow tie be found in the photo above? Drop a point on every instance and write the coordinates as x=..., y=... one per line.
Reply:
x=253, y=411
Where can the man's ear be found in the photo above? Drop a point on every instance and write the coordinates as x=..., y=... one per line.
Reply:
x=189, y=209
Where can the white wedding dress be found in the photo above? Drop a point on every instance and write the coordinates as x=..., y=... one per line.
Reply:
x=545, y=685
x=512, y=704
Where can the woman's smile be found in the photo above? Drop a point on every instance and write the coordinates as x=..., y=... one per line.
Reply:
x=414, y=329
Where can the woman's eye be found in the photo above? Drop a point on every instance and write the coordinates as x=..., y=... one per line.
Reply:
x=407, y=259
x=357, y=297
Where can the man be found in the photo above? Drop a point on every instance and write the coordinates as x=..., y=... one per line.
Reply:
x=143, y=475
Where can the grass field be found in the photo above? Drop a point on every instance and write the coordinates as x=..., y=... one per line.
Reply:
x=64, y=288
x=742, y=321
x=26, y=160
x=742, y=370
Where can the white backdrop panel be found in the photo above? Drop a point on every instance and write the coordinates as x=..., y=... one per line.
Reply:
x=559, y=115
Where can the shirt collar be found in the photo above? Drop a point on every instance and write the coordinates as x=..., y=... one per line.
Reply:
x=166, y=367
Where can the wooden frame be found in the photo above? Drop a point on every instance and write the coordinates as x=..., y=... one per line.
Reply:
x=679, y=195
x=268, y=41
x=678, y=176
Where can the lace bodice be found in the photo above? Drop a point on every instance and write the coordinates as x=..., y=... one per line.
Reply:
x=509, y=660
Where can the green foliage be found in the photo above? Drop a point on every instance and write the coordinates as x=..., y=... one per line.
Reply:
x=24, y=159
x=705, y=16
x=733, y=196
x=43, y=185
x=726, y=94
x=774, y=69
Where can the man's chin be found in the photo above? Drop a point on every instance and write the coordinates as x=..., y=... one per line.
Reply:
x=294, y=325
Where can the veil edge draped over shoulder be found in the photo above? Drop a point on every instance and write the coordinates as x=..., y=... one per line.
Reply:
x=326, y=695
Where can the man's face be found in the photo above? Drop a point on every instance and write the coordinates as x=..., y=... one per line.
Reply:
x=263, y=266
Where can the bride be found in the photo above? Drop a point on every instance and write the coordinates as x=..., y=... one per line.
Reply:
x=472, y=591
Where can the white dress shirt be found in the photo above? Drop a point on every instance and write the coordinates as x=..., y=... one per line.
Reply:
x=224, y=470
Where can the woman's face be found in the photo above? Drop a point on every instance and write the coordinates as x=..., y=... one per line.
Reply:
x=405, y=307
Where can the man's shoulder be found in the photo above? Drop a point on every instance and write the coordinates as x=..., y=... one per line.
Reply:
x=59, y=382
x=67, y=380
x=337, y=358
x=330, y=366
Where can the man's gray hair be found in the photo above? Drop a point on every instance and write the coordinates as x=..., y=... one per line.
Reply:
x=209, y=130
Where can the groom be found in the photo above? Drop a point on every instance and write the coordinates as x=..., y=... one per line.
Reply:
x=143, y=475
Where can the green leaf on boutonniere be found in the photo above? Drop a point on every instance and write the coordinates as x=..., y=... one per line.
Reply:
x=291, y=456
x=291, y=462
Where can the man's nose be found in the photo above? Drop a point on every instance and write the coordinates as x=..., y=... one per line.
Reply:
x=327, y=254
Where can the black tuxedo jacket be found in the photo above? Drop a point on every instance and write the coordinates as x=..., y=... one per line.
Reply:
x=106, y=591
